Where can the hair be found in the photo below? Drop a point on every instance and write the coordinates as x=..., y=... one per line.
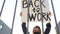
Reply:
x=38, y=28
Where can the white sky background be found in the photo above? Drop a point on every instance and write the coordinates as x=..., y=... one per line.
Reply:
x=8, y=11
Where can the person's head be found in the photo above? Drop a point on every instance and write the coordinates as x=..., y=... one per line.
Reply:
x=36, y=30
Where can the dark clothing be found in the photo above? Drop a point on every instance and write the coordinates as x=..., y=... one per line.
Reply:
x=24, y=28
x=47, y=30
x=48, y=25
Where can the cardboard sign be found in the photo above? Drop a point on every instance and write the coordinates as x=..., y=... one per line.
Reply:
x=34, y=10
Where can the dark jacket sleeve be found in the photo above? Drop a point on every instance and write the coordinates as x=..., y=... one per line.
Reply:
x=24, y=28
x=48, y=25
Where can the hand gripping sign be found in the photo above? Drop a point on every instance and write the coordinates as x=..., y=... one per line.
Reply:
x=34, y=10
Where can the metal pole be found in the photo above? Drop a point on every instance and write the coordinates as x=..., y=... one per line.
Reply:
x=42, y=17
x=55, y=17
x=2, y=7
x=28, y=17
x=14, y=16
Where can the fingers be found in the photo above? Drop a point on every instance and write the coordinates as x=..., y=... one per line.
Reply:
x=50, y=13
x=20, y=13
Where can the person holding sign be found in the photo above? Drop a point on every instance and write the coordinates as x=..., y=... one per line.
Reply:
x=35, y=15
x=36, y=29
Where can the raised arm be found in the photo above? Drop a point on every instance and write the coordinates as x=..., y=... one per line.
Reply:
x=47, y=30
x=24, y=28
